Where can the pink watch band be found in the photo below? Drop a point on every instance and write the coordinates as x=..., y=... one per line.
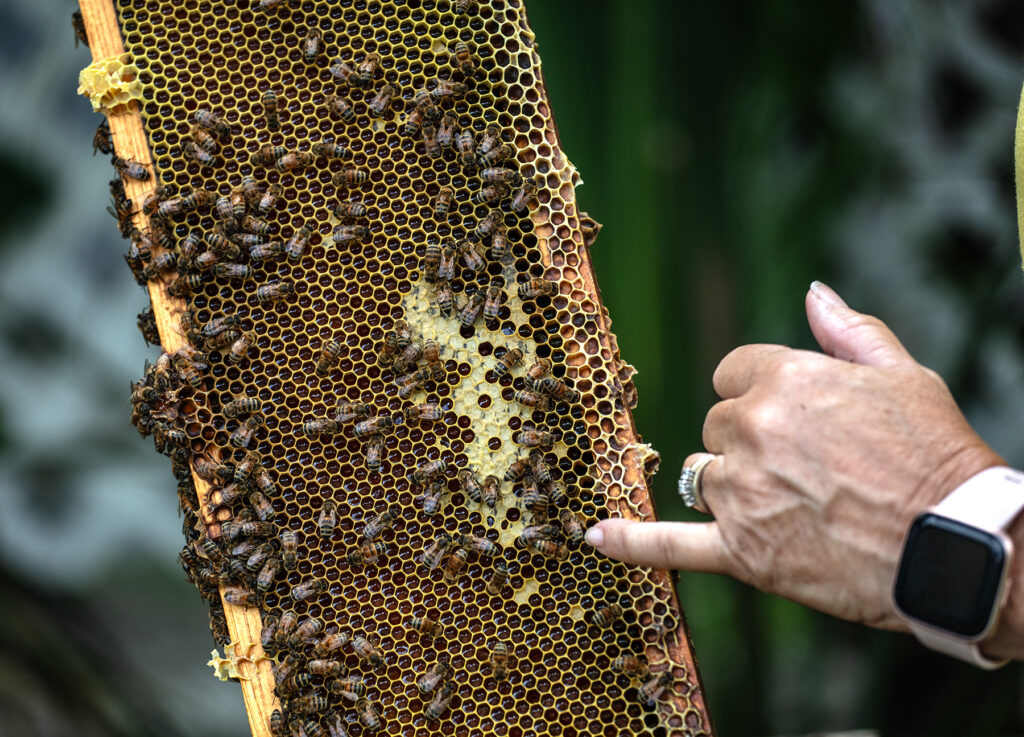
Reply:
x=989, y=500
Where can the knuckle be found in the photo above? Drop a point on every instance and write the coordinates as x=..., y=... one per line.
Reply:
x=761, y=419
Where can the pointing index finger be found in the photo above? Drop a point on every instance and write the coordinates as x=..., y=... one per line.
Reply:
x=690, y=546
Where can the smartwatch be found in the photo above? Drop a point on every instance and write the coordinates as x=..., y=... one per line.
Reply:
x=952, y=580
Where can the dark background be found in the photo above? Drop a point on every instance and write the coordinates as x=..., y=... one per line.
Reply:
x=734, y=151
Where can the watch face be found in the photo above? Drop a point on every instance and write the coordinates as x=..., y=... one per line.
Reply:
x=950, y=575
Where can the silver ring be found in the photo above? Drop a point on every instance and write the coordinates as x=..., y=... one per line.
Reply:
x=689, y=484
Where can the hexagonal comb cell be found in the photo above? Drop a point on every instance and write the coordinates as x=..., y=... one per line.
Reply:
x=395, y=402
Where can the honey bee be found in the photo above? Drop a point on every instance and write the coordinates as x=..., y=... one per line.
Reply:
x=288, y=664
x=470, y=484
x=436, y=709
x=193, y=151
x=322, y=667
x=321, y=427
x=559, y=390
x=289, y=550
x=431, y=259
x=343, y=73
x=433, y=677
x=293, y=684
x=650, y=692
x=294, y=160
x=375, y=526
x=413, y=122
x=129, y=168
x=296, y=246
x=160, y=264
x=408, y=357
x=433, y=556
x=479, y=545
x=265, y=205
x=264, y=482
x=366, y=69
x=267, y=638
x=464, y=59
x=328, y=518
x=424, y=626
x=239, y=348
x=539, y=466
x=495, y=293
x=508, y=360
x=446, y=264
x=189, y=247
x=368, y=554
x=348, y=411
x=629, y=665
x=465, y=144
x=265, y=251
x=432, y=498
x=368, y=715
x=308, y=629
x=310, y=703
x=430, y=143
x=221, y=246
x=308, y=590
x=471, y=310
x=534, y=438
x=537, y=371
x=211, y=470
x=212, y=122
x=535, y=498
x=311, y=45
x=462, y=7
x=364, y=650
x=313, y=729
x=490, y=138
x=499, y=661
x=549, y=548
x=428, y=411
x=349, y=210
x=381, y=101
x=101, y=140
x=499, y=579
x=372, y=426
x=456, y=562
x=227, y=495
x=224, y=211
x=349, y=177
x=489, y=223
x=257, y=529
x=335, y=728
x=242, y=406
x=471, y=256
x=606, y=616
x=342, y=108
x=444, y=297
x=78, y=25
x=265, y=5
x=443, y=201
x=428, y=470
x=532, y=400
x=374, y=448
x=122, y=207
x=448, y=89
x=446, y=130
x=534, y=533
x=521, y=199
x=411, y=382
x=239, y=597
x=490, y=194
x=500, y=175
x=270, y=293
x=265, y=578
x=349, y=687
x=330, y=643
x=497, y=154
x=572, y=526
x=537, y=288
x=331, y=150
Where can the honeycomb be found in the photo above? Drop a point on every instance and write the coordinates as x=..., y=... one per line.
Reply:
x=267, y=346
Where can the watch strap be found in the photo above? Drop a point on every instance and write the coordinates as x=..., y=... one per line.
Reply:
x=989, y=500
x=942, y=642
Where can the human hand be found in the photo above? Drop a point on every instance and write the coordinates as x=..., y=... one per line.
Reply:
x=822, y=461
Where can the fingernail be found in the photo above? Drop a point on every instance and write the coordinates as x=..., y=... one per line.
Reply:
x=595, y=537
x=826, y=294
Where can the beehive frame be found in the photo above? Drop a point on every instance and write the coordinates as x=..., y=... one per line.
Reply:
x=225, y=57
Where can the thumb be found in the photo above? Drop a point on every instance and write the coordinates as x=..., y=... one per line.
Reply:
x=691, y=546
x=850, y=335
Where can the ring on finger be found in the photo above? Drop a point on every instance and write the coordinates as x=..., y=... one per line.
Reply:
x=689, y=484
